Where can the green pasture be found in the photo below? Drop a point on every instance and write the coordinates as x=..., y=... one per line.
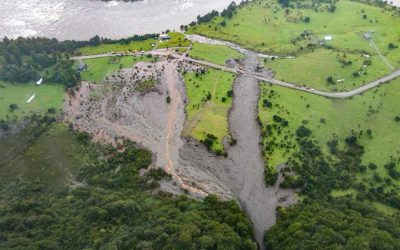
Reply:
x=47, y=96
x=208, y=116
x=176, y=40
x=265, y=26
x=218, y=54
x=135, y=46
x=374, y=110
x=313, y=69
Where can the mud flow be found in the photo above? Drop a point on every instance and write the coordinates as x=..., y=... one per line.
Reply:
x=132, y=104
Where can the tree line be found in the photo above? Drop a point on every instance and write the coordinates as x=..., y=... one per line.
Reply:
x=28, y=59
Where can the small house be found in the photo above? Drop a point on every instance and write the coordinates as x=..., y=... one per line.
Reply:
x=368, y=35
x=164, y=37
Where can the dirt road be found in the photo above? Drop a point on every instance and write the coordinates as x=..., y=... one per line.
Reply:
x=339, y=95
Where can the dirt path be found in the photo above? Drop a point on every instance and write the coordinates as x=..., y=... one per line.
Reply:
x=383, y=58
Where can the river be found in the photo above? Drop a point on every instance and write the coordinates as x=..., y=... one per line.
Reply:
x=83, y=19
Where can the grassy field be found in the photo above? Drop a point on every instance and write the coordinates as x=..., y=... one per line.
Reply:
x=207, y=110
x=47, y=96
x=326, y=118
x=177, y=40
x=218, y=54
x=313, y=69
x=50, y=158
x=107, y=48
x=99, y=68
x=265, y=26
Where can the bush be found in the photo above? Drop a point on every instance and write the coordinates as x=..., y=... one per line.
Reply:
x=267, y=104
x=13, y=107
x=303, y=131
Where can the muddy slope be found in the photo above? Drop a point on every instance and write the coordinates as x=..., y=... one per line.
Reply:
x=116, y=110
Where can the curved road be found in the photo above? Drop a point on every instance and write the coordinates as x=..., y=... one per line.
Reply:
x=339, y=95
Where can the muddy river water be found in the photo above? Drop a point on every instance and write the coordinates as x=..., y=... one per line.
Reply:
x=83, y=19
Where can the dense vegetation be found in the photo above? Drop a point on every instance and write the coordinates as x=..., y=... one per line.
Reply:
x=29, y=59
x=341, y=223
x=322, y=221
x=111, y=206
x=327, y=156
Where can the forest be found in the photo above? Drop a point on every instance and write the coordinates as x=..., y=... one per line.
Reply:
x=112, y=206
x=322, y=220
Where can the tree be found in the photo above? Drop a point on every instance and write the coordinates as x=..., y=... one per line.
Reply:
x=94, y=41
x=392, y=46
x=302, y=131
x=307, y=19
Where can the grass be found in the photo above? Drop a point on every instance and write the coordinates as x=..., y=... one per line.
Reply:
x=264, y=26
x=99, y=68
x=176, y=40
x=313, y=69
x=208, y=116
x=107, y=48
x=374, y=110
x=218, y=54
x=51, y=158
x=47, y=96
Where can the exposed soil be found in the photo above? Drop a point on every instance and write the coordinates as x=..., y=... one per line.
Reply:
x=114, y=110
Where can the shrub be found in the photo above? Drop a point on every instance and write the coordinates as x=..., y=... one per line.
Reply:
x=13, y=107
x=303, y=131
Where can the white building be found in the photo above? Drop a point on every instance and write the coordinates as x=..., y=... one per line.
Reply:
x=164, y=37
